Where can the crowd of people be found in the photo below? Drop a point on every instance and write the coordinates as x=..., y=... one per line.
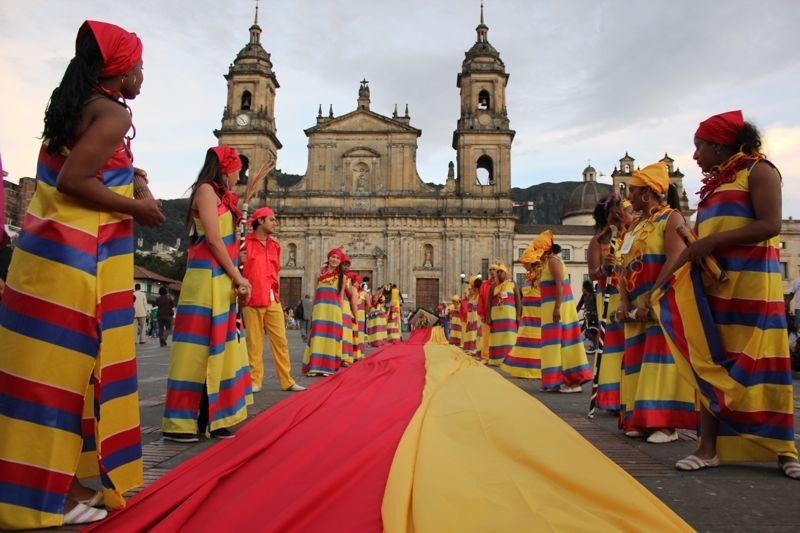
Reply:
x=678, y=347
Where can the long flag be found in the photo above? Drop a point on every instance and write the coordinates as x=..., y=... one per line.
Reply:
x=417, y=437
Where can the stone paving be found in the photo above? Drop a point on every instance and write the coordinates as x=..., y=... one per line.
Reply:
x=744, y=497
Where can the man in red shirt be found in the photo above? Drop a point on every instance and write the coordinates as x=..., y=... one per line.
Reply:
x=263, y=313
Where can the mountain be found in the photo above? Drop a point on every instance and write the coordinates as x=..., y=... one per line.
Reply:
x=548, y=202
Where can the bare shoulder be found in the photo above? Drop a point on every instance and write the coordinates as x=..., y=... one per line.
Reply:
x=765, y=171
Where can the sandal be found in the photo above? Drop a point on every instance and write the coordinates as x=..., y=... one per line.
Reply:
x=662, y=437
x=693, y=463
x=82, y=514
x=634, y=434
x=94, y=501
x=791, y=469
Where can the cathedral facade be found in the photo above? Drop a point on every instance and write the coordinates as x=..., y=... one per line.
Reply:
x=361, y=190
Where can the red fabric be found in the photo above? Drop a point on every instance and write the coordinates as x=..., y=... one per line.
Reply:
x=229, y=160
x=263, y=212
x=230, y=200
x=485, y=299
x=121, y=49
x=419, y=336
x=262, y=269
x=317, y=461
x=721, y=129
x=463, y=312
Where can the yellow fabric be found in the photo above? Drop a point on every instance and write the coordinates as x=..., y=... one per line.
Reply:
x=269, y=320
x=468, y=462
x=486, y=331
x=501, y=267
x=655, y=176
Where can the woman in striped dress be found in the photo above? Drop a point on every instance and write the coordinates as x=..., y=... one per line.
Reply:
x=208, y=380
x=654, y=398
x=361, y=319
x=469, y=315
x=505, y=310
x=523, y=361
x=393, y=333
x=746, y=394
x=612, y=217
x=353, y=297
x=323, y=354
x=67, y=355
x=376, y=323
x=454, y=313
x=564, y=364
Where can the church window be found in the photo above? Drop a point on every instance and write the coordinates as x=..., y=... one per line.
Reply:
x=485, y=170
x=484, y=100
x=520, y=251
x=566, y=254
x=247, y=99
x=626, y=168
x=485, y=269
x=243, y=171
x=623, y=190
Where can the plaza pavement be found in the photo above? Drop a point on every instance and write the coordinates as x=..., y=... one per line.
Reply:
x=754, y=497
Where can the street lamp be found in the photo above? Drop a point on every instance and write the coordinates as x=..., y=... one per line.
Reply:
x=463, y=282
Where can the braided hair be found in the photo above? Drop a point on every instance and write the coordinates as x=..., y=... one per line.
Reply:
x=65, y=108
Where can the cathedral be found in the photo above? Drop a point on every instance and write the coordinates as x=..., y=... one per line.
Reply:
x=361, y=190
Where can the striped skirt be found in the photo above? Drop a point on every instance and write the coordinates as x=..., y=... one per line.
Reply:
x=323, y=354
x=348, y=346
x=563, y=355
x=523, y=360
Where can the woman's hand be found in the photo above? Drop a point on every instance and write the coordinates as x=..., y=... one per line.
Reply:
x=702, y=248
x=148, y=213
x=642, y=312
x=622, y=310
x=141, y=173
x=243, y=289
x=557, y=314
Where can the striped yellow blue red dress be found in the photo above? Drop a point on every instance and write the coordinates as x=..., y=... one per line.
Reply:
x=68, y=390
x=360, y=327
x=743, y=373
x=207, y=358
x=455, y=326
x=523, y=361
x=323, y=354
x=562, y=353
x=376, y=326
x=503, y=329
x=613, y=344
x=348, y=320
x=652, y=394
x=393, y=324
x=469, y=338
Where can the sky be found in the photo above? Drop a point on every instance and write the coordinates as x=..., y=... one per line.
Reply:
x=589, y=79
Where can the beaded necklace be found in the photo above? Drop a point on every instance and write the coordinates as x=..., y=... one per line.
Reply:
x=640, y=234
x=726, y=172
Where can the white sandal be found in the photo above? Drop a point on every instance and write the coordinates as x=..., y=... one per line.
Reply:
x=662, y=437
x=94, y=501
x=693, y=463
x=791, y=469
x=83, y=514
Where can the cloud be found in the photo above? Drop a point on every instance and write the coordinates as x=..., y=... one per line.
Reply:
x=589, y=80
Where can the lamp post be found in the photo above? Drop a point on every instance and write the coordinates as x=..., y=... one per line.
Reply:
x=463, y=282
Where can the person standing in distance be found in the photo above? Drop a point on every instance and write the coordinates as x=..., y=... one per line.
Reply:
x=263, y=313
x=140, y=312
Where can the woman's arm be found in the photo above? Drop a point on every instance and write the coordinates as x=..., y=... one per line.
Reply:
x=765, y=195
x=673, y=250
x=108, y=123
x=557, y=271
x=206, y=205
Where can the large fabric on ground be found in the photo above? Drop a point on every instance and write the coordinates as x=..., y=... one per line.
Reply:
x=207, y=357
x=416, y=437
x=68, y=388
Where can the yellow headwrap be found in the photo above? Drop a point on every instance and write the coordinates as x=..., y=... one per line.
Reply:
x=530, y=255
x=493, y=266
x=500, y=267
x=654, y=176
x=456, y=298
x=540, y=245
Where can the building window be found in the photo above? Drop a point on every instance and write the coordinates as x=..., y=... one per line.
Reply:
x=782, y=245
x=784, y=270
x=243, y=170
x=485, y=170
x=485, y=269
x=520, y=279
x=247, y=99
x=520, y=251
x=566, y=254
x=484, y=100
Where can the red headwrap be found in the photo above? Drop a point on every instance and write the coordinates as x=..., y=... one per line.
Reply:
x=340, y=254
x=229, y=161
x=121, y=49
x=721, y=129
x=231, y=200
x=262, y=212
x=355, y=278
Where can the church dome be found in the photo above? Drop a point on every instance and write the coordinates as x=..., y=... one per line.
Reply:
x=584, y=198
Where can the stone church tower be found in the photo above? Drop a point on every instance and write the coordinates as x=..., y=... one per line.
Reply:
x=248, y=122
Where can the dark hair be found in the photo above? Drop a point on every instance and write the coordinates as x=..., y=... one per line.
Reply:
x=210, y=173
x=588, y=285
x=162, y=290
x=477, y=283
x=137, y=287
x=556, y=249
x=256, y=224
x=749, y=139
x=673, y=199
x=600, y=215
x=366, y=279
x=65, y=108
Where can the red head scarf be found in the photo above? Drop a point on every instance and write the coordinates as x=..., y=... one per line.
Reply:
x=340, y=254
x=121, y=49
x=721, y=129
x=228, y=157
x=262, y=212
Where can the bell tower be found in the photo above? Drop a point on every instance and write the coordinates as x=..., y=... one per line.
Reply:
x=248, y=121
x=482, y=138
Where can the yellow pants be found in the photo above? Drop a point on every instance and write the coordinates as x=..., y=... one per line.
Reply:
x=257, y=321
x=485, y=332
